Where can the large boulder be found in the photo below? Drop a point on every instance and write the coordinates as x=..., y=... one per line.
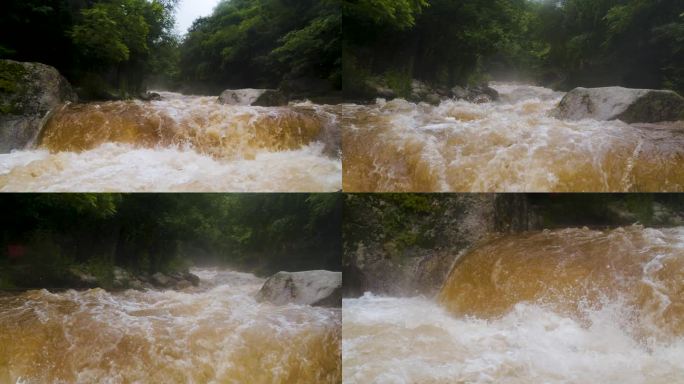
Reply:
x=422, y=92
x=478, y=94
x=415, y=257
x=318, y=288
x=28, y=92
x=252, y=96
x=271, y=98
x=618, y=103
x=244, y=96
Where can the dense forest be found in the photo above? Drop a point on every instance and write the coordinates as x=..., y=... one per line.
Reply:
x=105, y=48
x=292, y=44
x=118, y=48
x=557, y=43
x=44, y=235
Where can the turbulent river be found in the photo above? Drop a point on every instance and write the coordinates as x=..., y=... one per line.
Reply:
x=216, y=333
x=562, y=306
x=181, y=143
x=506, y=146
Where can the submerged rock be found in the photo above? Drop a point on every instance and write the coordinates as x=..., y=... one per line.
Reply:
x=150, y=96
x=477, y=94
x=81, y=279
x=618, y=103
x=317, y=288
x=28, y=92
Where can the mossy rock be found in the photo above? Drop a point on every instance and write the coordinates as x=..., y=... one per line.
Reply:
x=13, y=80
x=28, y=92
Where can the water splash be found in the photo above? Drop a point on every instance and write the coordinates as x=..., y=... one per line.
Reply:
x=182, y=143
x=511, y=145
x=564, y=306
x=212, y=334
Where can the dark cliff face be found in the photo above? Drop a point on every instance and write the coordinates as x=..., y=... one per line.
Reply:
x=406, y=244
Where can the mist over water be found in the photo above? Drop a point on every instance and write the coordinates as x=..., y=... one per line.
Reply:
x=563, y=306
x=510, y=145
x=181, y=143
x=215, y=333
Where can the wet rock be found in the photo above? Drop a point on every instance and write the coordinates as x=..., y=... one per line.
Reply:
x=121, y=278
x=182, y=284
x=378, y=88
x=192, y=278
x=150, y=96
x=82, y=279
x=271, y=98
x=317, y=288
x=416, y=258
x=459, y=92
x=245, y=96
x=423, y=93
x=618, y=103
x=138, y=285
x=477, y=94
x=28, y=92
x=160, y=280
x=483, y=94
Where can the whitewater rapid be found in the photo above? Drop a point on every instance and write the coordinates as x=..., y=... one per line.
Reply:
x=215, y=333
x=563, y=306
x=180, y=143
x=512, y=145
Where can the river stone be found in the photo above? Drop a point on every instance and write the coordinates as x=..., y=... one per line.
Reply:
x=379, y=88
x=271, y=98
x=317, y=288
x=245, y=96
x=192, y=278
x=82, y=279
x=161, y=280
x=618, y=103
x=28, y=92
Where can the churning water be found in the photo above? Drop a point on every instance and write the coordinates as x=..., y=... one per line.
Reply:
x=506, y=146
x=215, y=333
x=563, y=306
x=181, y=143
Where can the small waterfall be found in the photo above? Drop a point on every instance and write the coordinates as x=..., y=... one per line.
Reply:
x=564, y=306
x=180, y=143
x=513, y=145
x=214, y=333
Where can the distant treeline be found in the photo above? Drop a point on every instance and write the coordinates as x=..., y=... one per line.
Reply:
x=43, y=235
x=106, y=48
x=561, y=43
x=115, y=48
x=294, y=44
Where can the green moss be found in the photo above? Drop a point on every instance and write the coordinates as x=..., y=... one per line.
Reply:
x=399, y=81
x=11, y=76
x=12, y=79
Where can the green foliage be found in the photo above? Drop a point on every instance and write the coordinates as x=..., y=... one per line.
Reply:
x=634, y=43
x=568, y=43
x=399, y=221
x=442, y=42
x=166, y=232
x=118, y=42
x=397, y=14
x=258, y=43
